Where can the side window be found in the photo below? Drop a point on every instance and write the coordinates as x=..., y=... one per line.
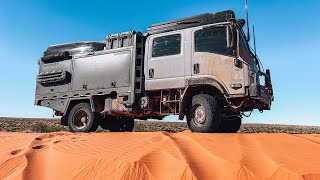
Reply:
x=212, y=40
x=166, y=45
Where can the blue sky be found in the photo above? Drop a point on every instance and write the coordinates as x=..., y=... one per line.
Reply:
x=286, y=31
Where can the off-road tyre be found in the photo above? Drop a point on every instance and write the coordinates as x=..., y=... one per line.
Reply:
x=82, y=119
x=230, y=125
x=104, y=124
x=118, y=124
x=203, y=115
x=128, y=124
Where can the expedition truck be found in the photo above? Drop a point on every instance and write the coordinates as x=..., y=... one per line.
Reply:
x=200, y=67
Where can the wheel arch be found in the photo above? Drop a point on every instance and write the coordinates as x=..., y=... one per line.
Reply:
x=201, y=86
x=96, y=102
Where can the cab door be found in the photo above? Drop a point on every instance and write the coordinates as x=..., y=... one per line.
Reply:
x=164, y=66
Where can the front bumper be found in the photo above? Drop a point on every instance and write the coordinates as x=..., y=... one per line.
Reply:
x=261, y=97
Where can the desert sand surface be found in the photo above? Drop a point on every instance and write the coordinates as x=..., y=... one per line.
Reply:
x=158, y=155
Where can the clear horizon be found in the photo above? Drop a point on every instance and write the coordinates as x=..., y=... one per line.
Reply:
x=287, y=44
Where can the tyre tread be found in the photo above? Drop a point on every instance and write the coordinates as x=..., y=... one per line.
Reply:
x=213, y=120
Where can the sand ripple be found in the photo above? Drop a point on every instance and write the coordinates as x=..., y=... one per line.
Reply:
x=159, y=155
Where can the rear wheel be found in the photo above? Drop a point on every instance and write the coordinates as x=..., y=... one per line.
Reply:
x=82, y=119
x=118, y=124
x=204, y=114
x=128, y=124
x=231, y=125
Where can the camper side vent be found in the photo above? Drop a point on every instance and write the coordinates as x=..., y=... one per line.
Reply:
x=55, y=77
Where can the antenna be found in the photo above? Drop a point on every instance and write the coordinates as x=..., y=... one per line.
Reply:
x=247, y=13
x=254, y=41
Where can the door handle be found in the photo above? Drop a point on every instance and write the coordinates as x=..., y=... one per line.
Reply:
x=196, y=68
x=151, y=73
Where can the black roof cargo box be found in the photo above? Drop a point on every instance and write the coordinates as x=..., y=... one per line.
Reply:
x=62, y=52
x=199, y=20
x=75, y=48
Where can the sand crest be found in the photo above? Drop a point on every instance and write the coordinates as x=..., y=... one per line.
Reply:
x=159, y=155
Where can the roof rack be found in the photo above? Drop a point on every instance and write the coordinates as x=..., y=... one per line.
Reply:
x=199, y=20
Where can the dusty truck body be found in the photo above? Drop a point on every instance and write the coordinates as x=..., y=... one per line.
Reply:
x=199, y=67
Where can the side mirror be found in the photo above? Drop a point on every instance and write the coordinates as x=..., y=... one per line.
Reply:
x=232, y=37
x=241, y=22
x=268, y=79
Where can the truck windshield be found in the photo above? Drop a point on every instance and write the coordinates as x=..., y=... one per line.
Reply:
x=245, y=44
x=212, y=40
x=249, y=51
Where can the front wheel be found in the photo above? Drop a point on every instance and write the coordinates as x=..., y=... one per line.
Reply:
x=204, y=114
x=82, y=119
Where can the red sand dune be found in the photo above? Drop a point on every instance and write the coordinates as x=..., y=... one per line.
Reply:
x=159, y=155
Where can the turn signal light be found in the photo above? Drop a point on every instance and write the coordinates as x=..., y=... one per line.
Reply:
x=236, y=86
